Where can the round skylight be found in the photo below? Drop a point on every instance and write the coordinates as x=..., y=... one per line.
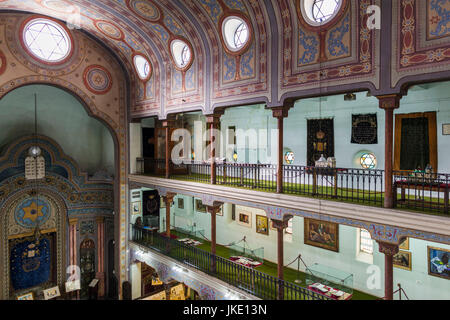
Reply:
x=142, y=66
x=368, y=161
x=47, y=40
x=236, y=33
x=319, y=12
x=181, y=53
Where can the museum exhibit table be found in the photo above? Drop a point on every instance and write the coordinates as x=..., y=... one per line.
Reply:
x=334, y=283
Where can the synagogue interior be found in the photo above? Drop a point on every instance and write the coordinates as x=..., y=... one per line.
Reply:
x=224, y=150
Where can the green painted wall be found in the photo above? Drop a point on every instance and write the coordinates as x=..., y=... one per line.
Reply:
x=62, y=118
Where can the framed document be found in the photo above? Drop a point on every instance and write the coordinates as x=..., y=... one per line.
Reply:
x=27, y=296
x=73, y=285
x=446, y=129
x=51, y=293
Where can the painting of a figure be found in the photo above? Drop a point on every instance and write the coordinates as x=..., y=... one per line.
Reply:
x=438, y=262
x=322, y=234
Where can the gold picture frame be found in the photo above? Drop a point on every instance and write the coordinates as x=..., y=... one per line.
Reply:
x=404, y=245
x=262, y=225
x=244, y=218
x=26, y=297
x=402, y=260
x=199, y=206
x=136, y=208
x=438, y=262
x=322, y=234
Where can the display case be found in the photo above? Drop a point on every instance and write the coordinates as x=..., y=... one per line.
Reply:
x=334, y=283
x=245, y=251
x=191, y=230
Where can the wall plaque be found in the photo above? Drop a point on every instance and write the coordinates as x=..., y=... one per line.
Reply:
x=364, y=129
x=446, y=129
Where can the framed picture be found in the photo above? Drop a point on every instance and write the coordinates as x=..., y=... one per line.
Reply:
x=402, y=260
x=404, y=245
x=438, y=264
x=322, y=234
x=220, y=212
x=136, y=208
x=271, y=226
x=162, y=203
x=73, y=285
x=262, y=224
x=199, y=207
x=180, y=203
x=245, y=219
x=26, y=296
x=446, y=129
x=51, y=293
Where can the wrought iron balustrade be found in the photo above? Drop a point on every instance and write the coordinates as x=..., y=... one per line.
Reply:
x=252, y=281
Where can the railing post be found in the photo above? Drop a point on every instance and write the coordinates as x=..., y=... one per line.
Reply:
x=388, y=104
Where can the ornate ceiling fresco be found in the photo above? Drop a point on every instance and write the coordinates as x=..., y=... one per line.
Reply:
x=286, y=58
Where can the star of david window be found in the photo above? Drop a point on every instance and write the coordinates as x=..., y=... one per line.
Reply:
x=181, y=53
x=236, y=33
x=324, y=10
x=368, y=161
x=47, y=40
x=142, y=66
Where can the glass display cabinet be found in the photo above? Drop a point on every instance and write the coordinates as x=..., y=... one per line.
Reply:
x=334, y=283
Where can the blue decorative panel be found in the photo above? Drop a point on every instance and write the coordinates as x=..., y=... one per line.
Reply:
x=248, y=64
x=308, y=48
x=159, y=30
x=439, y=18
x=30, y=263
x=190, y=78
x=177, y=80
x=213, y=8
x=32, y=212
x=339, y=39
x=236, y=5
x=229, y=68
x=173, y=26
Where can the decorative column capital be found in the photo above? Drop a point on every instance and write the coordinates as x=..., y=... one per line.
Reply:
x=280, y=224
x=214, y=118
x=214, y=208
x=389, y=101
x=100, y=219
x=73, y=221
x=168, y=198
x=389, y=249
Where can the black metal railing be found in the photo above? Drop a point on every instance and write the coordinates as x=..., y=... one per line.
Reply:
x=422, y=191
x=252, y=281
x=253, y=176
x=150, y=166
x=353, y=185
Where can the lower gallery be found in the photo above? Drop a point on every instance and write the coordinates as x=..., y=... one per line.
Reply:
x=224, y=150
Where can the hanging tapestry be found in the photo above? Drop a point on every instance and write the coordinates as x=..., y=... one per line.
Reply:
x=415, y=146
x=320, y=140
x=364, y=129
x=30, y=262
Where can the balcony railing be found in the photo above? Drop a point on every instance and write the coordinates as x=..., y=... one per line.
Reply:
x=421, y=192
x=259, y=284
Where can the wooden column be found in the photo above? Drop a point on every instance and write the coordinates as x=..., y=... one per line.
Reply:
x=280, y=113
x=389, y=103
x=213, y=211
x=213, y=122
x=167, y=125
x=73, y=260
x=389, y=251
x=168, y=199
x=280, y=225
x=101, y=255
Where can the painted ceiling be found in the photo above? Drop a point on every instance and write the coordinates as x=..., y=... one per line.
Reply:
x=285, y=58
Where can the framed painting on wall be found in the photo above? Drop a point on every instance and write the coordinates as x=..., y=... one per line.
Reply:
x=51, y=293
x=180, y=203
x=199, y=207
x=26, y=296
x=402, y=260
x=438, y=262
x=322, y=234
x=245, y=218
x=404, y=245
x=262, y=224
x=136, y=208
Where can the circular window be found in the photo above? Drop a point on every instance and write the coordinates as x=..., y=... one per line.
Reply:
x=236, y=33
x=47, y=40
x=319, y=12
x=181, y=53
x=142, y=66
x=368, y=161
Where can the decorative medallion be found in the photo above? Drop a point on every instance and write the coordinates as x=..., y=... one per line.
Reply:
x=109, y=29
x=57, y=5
x=2, y=63
x=97, y=79
x=32, y=212
x=145, y=9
